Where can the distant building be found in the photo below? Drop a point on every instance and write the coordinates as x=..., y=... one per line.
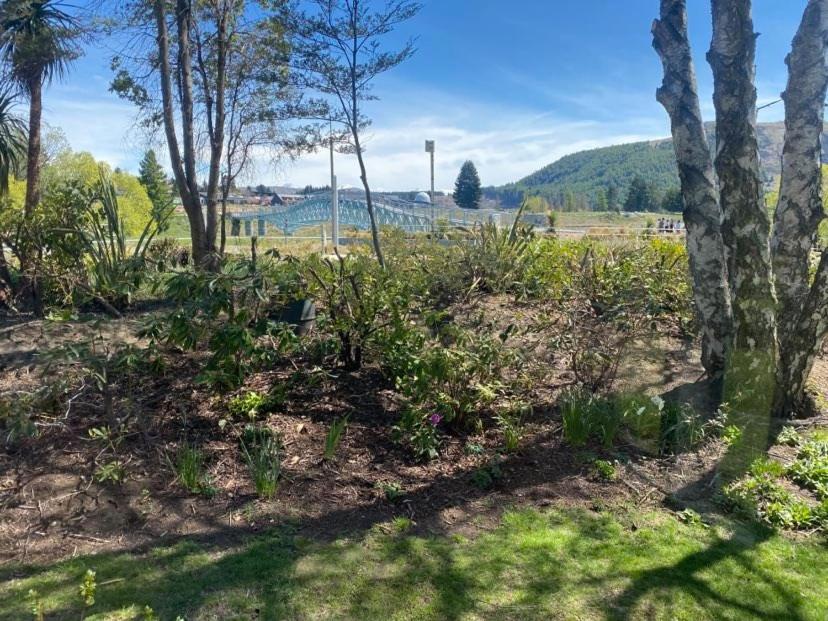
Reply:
x=422, y=198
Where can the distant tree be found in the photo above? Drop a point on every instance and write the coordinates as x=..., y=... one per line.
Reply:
x=601, y=201
x=640, y=196
x=569, y=201
x=155, y=182
x=467, y=192
x=338, y=53
x=672, y=201
x=536, y=204
x=613, y=202
x=261, y=189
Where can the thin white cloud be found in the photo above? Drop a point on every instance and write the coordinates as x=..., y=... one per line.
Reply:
x=506, y=143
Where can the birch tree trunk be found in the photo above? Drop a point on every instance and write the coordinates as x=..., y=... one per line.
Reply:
x=771, y=348
x=751, y=363
x=702, y=214
x=801, y=322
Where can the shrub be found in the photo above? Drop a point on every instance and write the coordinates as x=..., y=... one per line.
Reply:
x=456, y=380
x=810, y=469
x=605, y=469
x=248, y=405
x=231, y=313
x=357, y=297
x=487, y=476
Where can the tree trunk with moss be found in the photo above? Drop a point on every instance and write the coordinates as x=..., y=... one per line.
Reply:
x=702, y=214
x=770, y=346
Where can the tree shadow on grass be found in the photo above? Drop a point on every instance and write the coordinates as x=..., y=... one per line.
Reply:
x=559, y=564
x=569, y=562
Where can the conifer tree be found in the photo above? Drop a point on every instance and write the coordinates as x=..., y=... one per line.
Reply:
x=155, y=181
x=467, y=191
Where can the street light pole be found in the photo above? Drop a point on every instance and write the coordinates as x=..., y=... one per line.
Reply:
x=429, y=147
x=334, y=202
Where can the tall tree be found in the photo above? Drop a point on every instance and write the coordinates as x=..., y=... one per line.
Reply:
x=38, y=41
x=613, y=203
x=152, y=177
x=338, y=51
x=764, y=349
x=467, y=190
x=640, y=196
x=213, y=75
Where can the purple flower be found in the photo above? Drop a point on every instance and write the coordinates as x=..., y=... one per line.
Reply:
x=435, y=419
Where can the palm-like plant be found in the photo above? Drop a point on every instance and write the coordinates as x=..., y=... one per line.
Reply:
x=38, y=41
x=12, y=140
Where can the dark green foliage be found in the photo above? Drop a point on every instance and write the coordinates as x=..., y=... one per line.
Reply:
x=152, y=177
x=641, y=196
x=262, y=449
x=487, y=476
x=583, y=176
x=672, y=201
x=467, y=192
x=12, y=140
x=231, y=314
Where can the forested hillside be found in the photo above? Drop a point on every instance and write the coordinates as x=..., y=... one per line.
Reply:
x=600, y=178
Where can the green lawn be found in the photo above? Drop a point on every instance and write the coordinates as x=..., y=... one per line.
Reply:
x=563, y=564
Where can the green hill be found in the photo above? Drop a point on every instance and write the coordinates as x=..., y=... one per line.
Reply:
x=582, y=180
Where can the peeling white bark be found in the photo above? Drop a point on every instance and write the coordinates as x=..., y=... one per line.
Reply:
x=745, y=224
x=702, y=215
x=802, y=315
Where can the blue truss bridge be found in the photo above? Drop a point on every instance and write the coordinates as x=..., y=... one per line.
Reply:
x=353, y=214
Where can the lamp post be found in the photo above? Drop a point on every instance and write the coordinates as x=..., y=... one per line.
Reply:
x=429, y=147
x=334, y=202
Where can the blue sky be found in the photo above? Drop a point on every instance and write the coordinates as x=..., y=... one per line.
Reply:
x=510, y=85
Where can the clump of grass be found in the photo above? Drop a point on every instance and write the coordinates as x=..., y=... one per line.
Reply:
x=262, y=451
x=402, y=524
x=586, y=415
x=334, y=437
x=511, y=425
x=189, y=469
x=576, y=410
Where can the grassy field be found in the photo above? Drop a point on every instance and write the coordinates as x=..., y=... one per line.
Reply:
x=561, y=564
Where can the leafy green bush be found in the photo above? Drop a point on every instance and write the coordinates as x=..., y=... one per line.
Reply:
x=760, y=496
x=248, y=405
x=231, y=313
x=810, y=469
x=456, y=380
x=487, y=476
x=357, y=298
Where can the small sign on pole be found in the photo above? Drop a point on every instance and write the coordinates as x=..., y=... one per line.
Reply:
x=429, y=146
